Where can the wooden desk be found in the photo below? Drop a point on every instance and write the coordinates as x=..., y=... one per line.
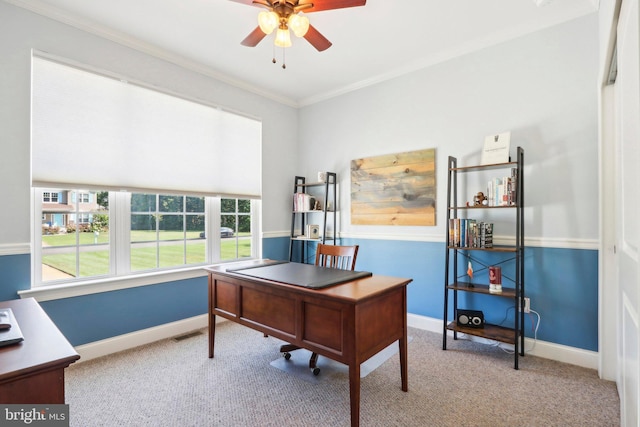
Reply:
x=33, y=370
x=348, y=323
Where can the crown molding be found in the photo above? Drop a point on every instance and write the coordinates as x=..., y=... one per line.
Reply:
x=449, y=54
x=40, y=8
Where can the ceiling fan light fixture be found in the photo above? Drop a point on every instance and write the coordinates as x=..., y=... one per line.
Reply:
x=283, y=38
x=299, y=24
x=268, y=21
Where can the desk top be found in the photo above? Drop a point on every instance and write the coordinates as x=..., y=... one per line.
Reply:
x=354, y=290
x=43, y=347
x=305, y=275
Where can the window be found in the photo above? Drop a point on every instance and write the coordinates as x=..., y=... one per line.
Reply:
x=136, y=136
x=235, y=220
x=165, y=232
x=125, y=195
x=74, y=242
x=50, y=197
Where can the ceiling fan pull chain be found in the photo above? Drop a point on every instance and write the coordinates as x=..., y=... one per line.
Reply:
x=274, y=54
x=283, y=60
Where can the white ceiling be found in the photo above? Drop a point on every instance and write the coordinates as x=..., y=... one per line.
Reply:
x=381, y=40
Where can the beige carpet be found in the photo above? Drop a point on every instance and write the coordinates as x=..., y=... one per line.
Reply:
x=174, y=383
x=298, y=364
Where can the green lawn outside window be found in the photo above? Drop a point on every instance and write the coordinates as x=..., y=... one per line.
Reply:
x=96, y=262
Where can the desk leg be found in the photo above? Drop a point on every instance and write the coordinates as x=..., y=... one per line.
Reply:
x=212, y=333
x=402, y=342
x=354, y=392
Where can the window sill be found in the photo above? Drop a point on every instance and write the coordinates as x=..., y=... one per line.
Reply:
x=69, y=290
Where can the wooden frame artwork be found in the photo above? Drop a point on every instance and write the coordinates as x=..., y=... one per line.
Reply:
x=394, y=189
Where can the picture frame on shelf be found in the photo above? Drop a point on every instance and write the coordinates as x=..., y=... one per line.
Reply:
x=312, y=231
x=496, y=149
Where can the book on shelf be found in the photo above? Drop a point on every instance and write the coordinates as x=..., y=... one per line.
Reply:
x=486, y=235
x=451, y=231
x=470, y=233
x=503, y=191
x=513, y=190
x=303, y=202
x=454, y=231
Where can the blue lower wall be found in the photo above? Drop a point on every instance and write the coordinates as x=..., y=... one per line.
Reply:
x=95, y=317
x=562, y=285
x=15, y=275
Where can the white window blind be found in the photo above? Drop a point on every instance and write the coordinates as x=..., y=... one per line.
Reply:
x=89, y=130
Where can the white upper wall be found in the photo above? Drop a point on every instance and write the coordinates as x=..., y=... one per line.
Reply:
x=23, y=31
x=542, y=87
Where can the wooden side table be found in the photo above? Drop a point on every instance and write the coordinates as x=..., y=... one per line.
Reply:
x=32, y=372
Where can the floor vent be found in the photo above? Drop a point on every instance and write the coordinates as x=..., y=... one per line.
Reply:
x=186, y=336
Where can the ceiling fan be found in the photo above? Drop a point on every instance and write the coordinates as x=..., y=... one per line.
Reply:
x=284, y=15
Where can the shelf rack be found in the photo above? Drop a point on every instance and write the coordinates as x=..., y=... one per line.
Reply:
x=511, y=335
x=301, y=217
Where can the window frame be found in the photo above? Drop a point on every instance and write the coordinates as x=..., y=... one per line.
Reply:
x=82, y=195
x=120, y=275
x=158, y=213
x=49, y=195
x=242, y=187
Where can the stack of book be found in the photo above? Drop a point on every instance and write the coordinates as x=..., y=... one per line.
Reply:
x=469, y=233
x=503, y=191
x=303, y=202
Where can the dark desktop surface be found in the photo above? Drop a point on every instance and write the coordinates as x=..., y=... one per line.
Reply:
x=305, y=275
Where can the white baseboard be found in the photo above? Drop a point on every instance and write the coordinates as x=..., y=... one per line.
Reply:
x=560, y=353
x=145, y=336
x=547, y=350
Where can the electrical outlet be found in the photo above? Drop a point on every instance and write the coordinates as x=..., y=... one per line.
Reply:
x=527, y=305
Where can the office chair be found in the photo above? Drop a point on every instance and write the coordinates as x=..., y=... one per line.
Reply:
x=331, y=256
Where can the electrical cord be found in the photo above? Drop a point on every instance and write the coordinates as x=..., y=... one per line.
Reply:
x=534, y=327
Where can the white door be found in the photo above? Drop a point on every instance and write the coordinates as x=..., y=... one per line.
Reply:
x=627, y=89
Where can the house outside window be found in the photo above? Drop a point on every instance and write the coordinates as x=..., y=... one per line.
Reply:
x=74, y=241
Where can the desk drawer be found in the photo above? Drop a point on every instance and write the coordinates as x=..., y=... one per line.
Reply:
x=224, y=298
x=277, y=312
x=323, y=324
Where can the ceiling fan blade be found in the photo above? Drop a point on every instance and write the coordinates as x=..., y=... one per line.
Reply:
x=316, y=39
x=253, y=38
x=319, y=5
x=250, y=2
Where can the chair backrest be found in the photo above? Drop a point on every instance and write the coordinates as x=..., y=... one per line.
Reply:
x=333, y=256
